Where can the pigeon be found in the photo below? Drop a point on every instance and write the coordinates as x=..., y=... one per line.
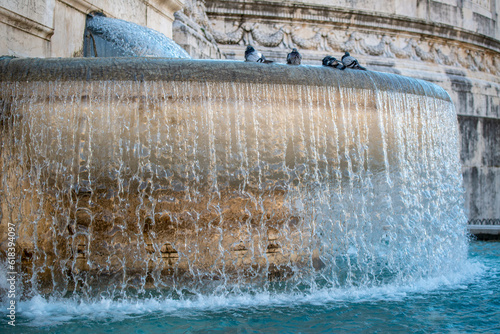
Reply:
x=351, y=62
x=333, y=62
x=294, y=57
x=253, y=55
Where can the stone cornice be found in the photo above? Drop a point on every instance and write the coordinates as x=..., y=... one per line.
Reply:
x=25, y=24
x=166, y=6
x=81, y=5
x=343, y=18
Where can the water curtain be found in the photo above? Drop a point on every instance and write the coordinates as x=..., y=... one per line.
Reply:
x=152, y=176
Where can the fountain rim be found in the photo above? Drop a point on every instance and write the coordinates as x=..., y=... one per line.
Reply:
x=200, y=70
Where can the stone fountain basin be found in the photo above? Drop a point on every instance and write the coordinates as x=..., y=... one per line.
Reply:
x=170, y=99
x=145, y=164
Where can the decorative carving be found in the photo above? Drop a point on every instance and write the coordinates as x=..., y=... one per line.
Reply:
x=351, y=45
x=376, y=50
x=429, y=56
x=233, y=37
x=308, y=44
x=449, y=59
x=269, y=40
x=406, y=52
x=467, y=61
x=289, y=35
x=461, y=58
x=333, y=41
x=196, y=11
x=183, y=19
x=478, y=59
x=192, y=20
x=489, y=62
x=496, y=63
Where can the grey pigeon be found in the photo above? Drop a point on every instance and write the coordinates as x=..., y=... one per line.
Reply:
x=294, y=57
x=333, y=62
x=253, y=55
x=351, y=62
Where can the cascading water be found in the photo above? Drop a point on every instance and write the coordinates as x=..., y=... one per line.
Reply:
x=134, y=177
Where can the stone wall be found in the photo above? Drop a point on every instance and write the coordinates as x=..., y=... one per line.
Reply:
x=54, y=28
x=480, y=154
x=455, y=44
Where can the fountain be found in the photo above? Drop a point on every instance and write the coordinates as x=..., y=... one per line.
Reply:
x=135, y=176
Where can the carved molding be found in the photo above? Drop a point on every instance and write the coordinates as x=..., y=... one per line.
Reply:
x=342, y=18
x=387, y=45
x=167, y=7
x=192, y=21
x=25, y=24
x=82, y=6
x=232, y=37
x=162, y=7
x=267, y=39
x=320, y=30
x=312, y=43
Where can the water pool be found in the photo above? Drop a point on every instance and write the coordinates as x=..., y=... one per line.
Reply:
x=463, y=302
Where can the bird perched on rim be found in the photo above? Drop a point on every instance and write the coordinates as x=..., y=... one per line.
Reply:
x=294, y=57
x=253, y=55
x=351, y=62
x=333, y=62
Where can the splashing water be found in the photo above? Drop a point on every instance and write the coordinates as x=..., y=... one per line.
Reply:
x=133, y=40
x=182, y=188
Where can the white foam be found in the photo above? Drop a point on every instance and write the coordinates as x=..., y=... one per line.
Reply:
x=40, y=311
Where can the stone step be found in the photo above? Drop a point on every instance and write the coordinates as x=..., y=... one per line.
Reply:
x=485, y=232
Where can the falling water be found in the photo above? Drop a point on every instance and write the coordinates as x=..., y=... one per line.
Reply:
x=174, y=187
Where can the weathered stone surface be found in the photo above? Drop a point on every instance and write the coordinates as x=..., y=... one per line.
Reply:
x=480, y=155
x=150, y=69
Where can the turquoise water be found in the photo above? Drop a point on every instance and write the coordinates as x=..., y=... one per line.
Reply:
x=462, y=302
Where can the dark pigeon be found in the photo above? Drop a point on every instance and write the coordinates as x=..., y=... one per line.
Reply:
x=351, y=62
x=294, y=57
x=333, y=62
x=253, y=55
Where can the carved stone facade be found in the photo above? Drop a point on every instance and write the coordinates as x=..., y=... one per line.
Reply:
x=455, y=44
x=190, y=31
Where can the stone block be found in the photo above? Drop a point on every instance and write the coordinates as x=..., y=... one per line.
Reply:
x=68, y=31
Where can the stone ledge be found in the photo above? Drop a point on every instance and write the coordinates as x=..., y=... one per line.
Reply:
x=485, y=232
